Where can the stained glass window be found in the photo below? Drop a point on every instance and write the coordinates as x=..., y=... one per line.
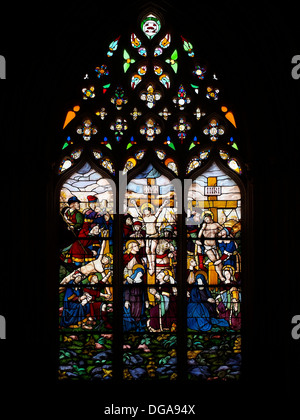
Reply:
x=214, y=276
x=149, y=277
x=86, y=274
x=152, y=128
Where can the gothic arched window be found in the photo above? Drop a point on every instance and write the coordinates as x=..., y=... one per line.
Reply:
x=151, y=191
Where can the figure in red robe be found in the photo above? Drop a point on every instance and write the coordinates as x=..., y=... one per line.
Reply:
x=134, y=293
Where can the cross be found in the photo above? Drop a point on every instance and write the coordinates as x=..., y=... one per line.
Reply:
x=212, y=203
x=212, y=191
x=152, y=190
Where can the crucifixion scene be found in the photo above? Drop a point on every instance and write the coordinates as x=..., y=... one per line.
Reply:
x=213, y=226
x=149, y=260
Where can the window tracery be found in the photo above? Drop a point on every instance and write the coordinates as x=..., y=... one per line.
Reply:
x=150, y=122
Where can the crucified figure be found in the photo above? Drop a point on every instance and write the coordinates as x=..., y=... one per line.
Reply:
x=210, y=230
x=151, y=232
x=96, y=266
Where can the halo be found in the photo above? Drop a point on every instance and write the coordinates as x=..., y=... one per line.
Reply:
x=109, y=255
x=204, y=273
x=130, y=242
x=229, y=267
x=205, y=212
x=148, y=205
x=136, y=266
x=167, y=272
x=168, y=160
x=92, y=275
x=132, y=160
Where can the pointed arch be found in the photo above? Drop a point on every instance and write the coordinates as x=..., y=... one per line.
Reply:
x=86, y=287
x=150, y=271
x=152, y=115
x=215, y=210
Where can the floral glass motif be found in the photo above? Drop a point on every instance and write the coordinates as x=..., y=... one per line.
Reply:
x=150, y=130
x=135, y=113
x=88, y=93
x=199, y=72
x=214, y=276
x=165, y=113
x=102, y=71
x=212, y=93
x=182, y=99
x=182, y=127
x=119, y=126
x=213, y=130
x=150, y=96
x=119, y=99
x=87, y=130
x=128, y=61
x=101, y=113
x=85, y=276
x=198, y=113
x=173, y=61
x=149, y=273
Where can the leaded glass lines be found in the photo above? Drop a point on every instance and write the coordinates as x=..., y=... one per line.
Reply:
x=152, y=112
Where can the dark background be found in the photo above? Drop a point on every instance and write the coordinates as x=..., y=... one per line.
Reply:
x=48, y=49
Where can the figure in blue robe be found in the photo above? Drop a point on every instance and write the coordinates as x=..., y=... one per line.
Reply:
x=228, y=249
x=74, y=313
x=201, y=313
